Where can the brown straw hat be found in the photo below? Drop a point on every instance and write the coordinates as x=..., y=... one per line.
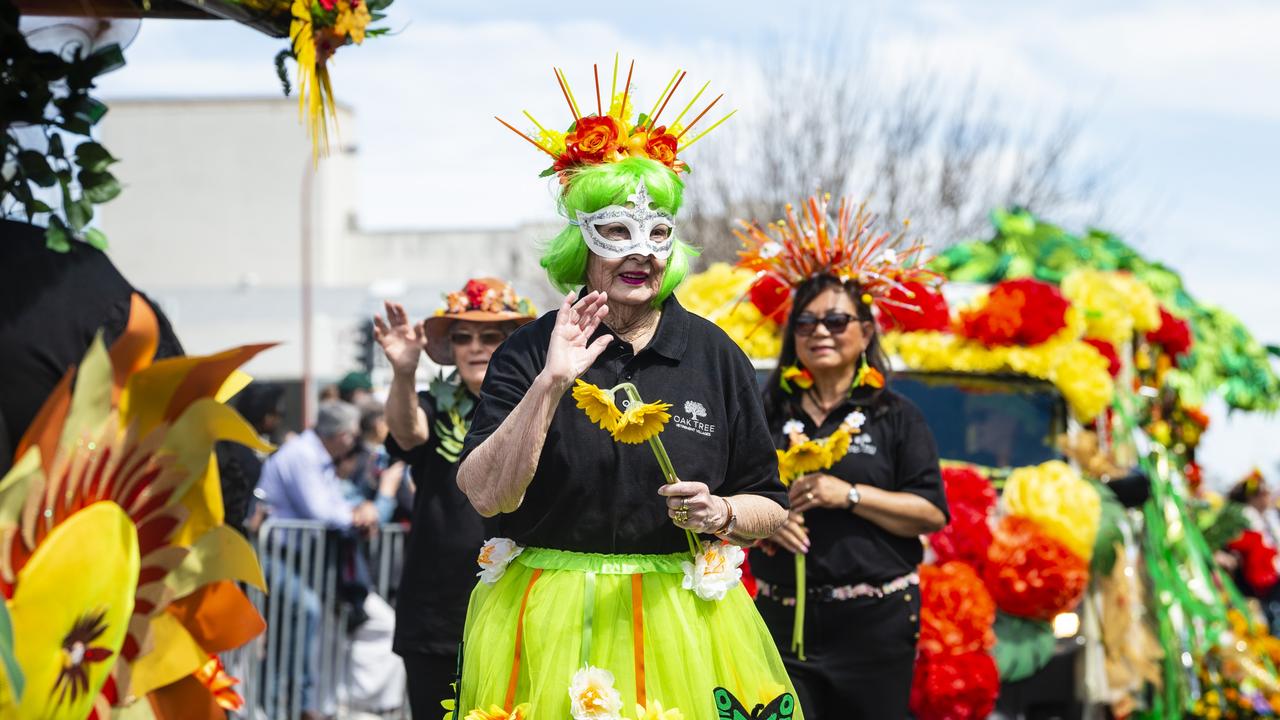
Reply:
x=480, y=300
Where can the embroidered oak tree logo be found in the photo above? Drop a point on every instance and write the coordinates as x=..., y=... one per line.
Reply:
x=695, y=409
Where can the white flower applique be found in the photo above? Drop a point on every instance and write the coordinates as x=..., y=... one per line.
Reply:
x=792, y=427
x=592, y=695
x=855, y=420
x=495, y=555
x=716, y=570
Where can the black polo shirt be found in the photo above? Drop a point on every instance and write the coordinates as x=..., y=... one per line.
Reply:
x=440, y=559
x=895, y=451
x=590, y=494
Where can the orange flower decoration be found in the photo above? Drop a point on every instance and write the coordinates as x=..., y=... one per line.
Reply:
x=956, y=611
x=1031, y=575
x=213, y=675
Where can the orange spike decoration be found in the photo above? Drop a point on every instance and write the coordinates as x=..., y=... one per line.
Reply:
x=812, y=242
x=612, y=133
x=117, y=572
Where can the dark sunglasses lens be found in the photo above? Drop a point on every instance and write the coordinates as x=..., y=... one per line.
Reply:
x=806, y=324
x=492, y=338
x=463, y=339
x=837, y=323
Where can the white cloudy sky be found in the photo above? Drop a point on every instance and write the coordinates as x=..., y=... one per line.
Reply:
x=1181, y=96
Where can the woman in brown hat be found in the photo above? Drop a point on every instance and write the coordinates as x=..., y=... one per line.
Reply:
x=426, y=430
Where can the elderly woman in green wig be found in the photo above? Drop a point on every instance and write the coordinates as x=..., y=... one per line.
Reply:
x=613, y=590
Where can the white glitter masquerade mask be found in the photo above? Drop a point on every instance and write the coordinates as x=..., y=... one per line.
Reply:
x=640, y=220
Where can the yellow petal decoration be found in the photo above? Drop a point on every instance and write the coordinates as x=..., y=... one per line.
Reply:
x=655, y=711
x=597, y=404
x=838, y=444
x=521, y=712
x=806, y=457
x=125, y=442
x=718, y=294
x=1078, y=370
x=1114, y=304
x=641, y=422
x=71, y=610
x=1055, y=497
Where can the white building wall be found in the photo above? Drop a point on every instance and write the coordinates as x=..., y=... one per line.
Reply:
x=210, y=225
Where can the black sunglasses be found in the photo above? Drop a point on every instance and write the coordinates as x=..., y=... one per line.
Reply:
x=836, y=323
x=488, y=338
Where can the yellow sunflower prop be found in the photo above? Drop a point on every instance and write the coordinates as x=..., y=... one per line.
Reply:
x=111, y=525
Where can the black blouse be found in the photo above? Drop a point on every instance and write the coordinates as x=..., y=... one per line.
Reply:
x=590, y=494
x=895, y=451
x=440, y=559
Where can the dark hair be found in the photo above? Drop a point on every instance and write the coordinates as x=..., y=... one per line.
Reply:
x=778, y=403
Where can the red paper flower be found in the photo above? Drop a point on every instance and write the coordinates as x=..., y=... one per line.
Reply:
x=925, y=309
x=1193, y=475
x=661, y=146
x=1031, y=575
x=475, y=292
x=954, y=687
x=1017, y=312
x=770, y=296
x=967, y=538
x=1174, y=334
x=967, y=487
x=1257, y=561
x=1108, y=351
x=956, y=611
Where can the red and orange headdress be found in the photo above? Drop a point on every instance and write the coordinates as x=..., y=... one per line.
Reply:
x=605, y=137
x=888, y=268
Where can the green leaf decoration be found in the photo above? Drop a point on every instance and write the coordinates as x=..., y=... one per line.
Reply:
x=93, y=158
x=10, y=670
x=1023, y=647
x=1110, y=532
x=56, y=236
x=96, y=238
x=98, y=187
x=36, y=167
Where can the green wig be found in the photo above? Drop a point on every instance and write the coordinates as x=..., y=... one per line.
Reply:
x=597, y=186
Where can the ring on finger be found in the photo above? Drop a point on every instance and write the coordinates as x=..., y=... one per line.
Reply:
x=682, y=515
x=809, y=496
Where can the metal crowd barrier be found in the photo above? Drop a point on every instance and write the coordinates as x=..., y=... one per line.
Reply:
x=307, y=623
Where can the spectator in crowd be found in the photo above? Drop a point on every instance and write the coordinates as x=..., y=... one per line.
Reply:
x=301, y=482
x=355, y=387
x=376, y=474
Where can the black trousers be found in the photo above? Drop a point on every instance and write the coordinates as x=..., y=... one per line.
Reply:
x=430, y=679
x=859, y=654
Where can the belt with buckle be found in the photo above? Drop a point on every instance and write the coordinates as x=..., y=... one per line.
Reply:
x=832, y=593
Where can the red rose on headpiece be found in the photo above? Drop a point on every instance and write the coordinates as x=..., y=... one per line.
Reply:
x=592, y=141
x=914, y=307
x=475, y=291
x=661, y=146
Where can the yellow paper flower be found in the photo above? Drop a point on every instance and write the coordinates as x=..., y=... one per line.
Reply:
x=641, y=422
x=71, y=612
x=837, y=445
x=806, y=457
x=1076, y=368
x=655, y=711
x=1114, y=304
x=718, y=294
x=351, y=22
x=1055, y=497
x=597, y=404
x=520, y=712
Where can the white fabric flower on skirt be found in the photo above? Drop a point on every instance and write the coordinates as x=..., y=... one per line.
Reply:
x=495, y=555
x=592, y=695
x=716, y=570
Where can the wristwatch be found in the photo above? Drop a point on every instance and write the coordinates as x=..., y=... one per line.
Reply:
x=855, y=497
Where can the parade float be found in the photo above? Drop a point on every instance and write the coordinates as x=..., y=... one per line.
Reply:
x=1063, y=376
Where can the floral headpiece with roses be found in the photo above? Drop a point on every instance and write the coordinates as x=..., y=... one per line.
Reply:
x=479, y=295
x=607, y=137
x=889, y=268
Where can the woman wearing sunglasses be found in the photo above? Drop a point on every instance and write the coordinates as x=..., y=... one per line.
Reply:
x=426, y=430
x=860, y=503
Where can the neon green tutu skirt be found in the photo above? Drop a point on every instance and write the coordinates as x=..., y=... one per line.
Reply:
x=565, y=634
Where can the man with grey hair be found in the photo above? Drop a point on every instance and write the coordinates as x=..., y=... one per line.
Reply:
x=300, y=481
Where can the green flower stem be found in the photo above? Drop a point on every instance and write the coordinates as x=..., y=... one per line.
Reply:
x=659, y=452
x=797, y=629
